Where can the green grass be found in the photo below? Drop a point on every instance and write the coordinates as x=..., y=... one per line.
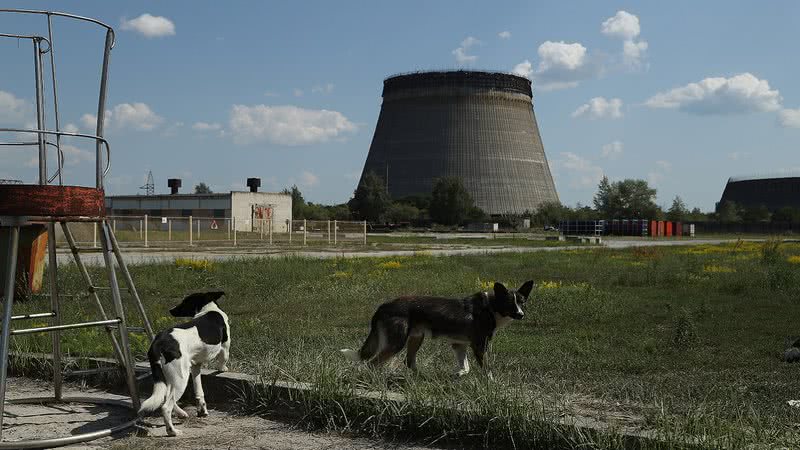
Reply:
x=684, y=342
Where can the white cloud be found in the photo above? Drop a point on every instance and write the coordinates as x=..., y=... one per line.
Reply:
x=70, y=128
x=308, y=179
x=204, y=126
x=583, y=172
x=625, y=25
x=743, y=93
x=633, y=53
x=13, y=110
x=563, y=65
x=622, y=25
x=287, y=125
x=612, y=150
x=74, y=155
x=738, y=155
x=137, y=116
x=504, y=35
x=789, y=118
x=523, y=69
x=324, y=89
x=656, y=176
x=600, y=108
x=150, y=26
x=461, y=52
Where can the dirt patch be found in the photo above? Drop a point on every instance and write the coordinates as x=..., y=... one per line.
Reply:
x=220, y=430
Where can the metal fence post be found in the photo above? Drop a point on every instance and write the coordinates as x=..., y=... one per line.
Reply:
x=365, y=232
x=270, y=231
x=169, y=229
x=141, y=231
x=198, y=229
x=114, y=226
x=329, y=232
x=335, y=231
x=190, y=231
x=94, y=235
x=305, y=231
x=289, y=221
x=145, y=231
x=228, y=221
x=233, y=224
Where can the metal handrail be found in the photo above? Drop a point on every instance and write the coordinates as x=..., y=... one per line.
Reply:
x=29, y=36
x=61, y=133
x=61, y=14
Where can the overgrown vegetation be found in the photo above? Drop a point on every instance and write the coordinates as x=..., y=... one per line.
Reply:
x=683, y=343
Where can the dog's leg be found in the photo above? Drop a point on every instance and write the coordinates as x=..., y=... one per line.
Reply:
x=414, y=342
x=222, y=357
x=202, y=410
x=479, y=349
x=179, y=412
x=461, y=359
x=166, y=412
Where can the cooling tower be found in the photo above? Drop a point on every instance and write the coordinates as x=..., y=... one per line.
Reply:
x=478, y=126
x=774, y=192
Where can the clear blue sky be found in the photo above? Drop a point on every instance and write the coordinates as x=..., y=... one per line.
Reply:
x=685, y=93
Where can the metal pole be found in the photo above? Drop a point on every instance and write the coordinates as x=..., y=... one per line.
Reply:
x=52, y=271
x=169, y=229
x=13, y=243
x=94, y=234
x=114, y=225
x=198, y=229
x=145, y=231
x=270, y=231
x=305, y=231
x=365, y=232
x=290, y=230
x=335, y=230
x=88, y=280
x=55, y=94
x=40, y=137
x=329, y=232
x=233, y=224
x=190, y=230
x=262, y=228
x=101, y=110
x=228, y=221
x=141, y=231
x=131, y=287
x=120, y=312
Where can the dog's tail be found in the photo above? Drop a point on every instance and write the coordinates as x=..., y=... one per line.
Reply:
x=160, y=390
x=370, y=347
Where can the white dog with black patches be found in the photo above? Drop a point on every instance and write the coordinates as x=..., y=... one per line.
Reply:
x=179, y=352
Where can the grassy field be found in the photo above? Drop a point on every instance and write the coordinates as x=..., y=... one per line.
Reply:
x=683, y=342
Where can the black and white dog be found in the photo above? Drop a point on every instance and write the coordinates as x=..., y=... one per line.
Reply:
x=468, y=322
x=178, y=352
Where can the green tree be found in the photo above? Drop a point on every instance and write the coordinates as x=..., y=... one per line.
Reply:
x=550, y=213
x=758, y=213
x=371, y=200
x=627, y=198
x=786, y=214
x=451, y=204
x=729, y=212
x=298, y=203
x=202, y=188
x=402, y=212
x=678, y=212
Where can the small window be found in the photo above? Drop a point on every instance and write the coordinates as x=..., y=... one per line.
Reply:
x=219, y=213
x=186, y=212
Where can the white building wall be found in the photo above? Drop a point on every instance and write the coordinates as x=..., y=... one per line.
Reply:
x=242, y=208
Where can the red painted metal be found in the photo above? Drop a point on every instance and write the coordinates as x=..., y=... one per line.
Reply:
x=51, y=201
x=668, y=229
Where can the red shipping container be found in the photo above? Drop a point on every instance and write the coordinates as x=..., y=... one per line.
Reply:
x=678, y=229
x=668, y=229
x=653, y=228
x=660, y=228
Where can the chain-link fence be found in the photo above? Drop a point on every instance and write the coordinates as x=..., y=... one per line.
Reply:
x=156, y=231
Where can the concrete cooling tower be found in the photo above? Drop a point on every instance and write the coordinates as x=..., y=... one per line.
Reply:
x=477, y=126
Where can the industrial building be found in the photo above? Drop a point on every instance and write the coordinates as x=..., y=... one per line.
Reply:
x=477, y=126
x=246, y=208
x=774, y=192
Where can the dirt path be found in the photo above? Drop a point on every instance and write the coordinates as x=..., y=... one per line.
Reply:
x=220, y=430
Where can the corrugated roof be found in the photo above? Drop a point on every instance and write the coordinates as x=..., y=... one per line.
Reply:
x=794, y=173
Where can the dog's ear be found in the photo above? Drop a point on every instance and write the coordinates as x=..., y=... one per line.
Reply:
x=499, y=290
x=526, y=288
x=214, y=296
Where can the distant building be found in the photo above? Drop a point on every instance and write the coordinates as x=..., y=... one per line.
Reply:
x=774, y=192
x=246, y=208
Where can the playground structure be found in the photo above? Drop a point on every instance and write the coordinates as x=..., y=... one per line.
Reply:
x=51, y=202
